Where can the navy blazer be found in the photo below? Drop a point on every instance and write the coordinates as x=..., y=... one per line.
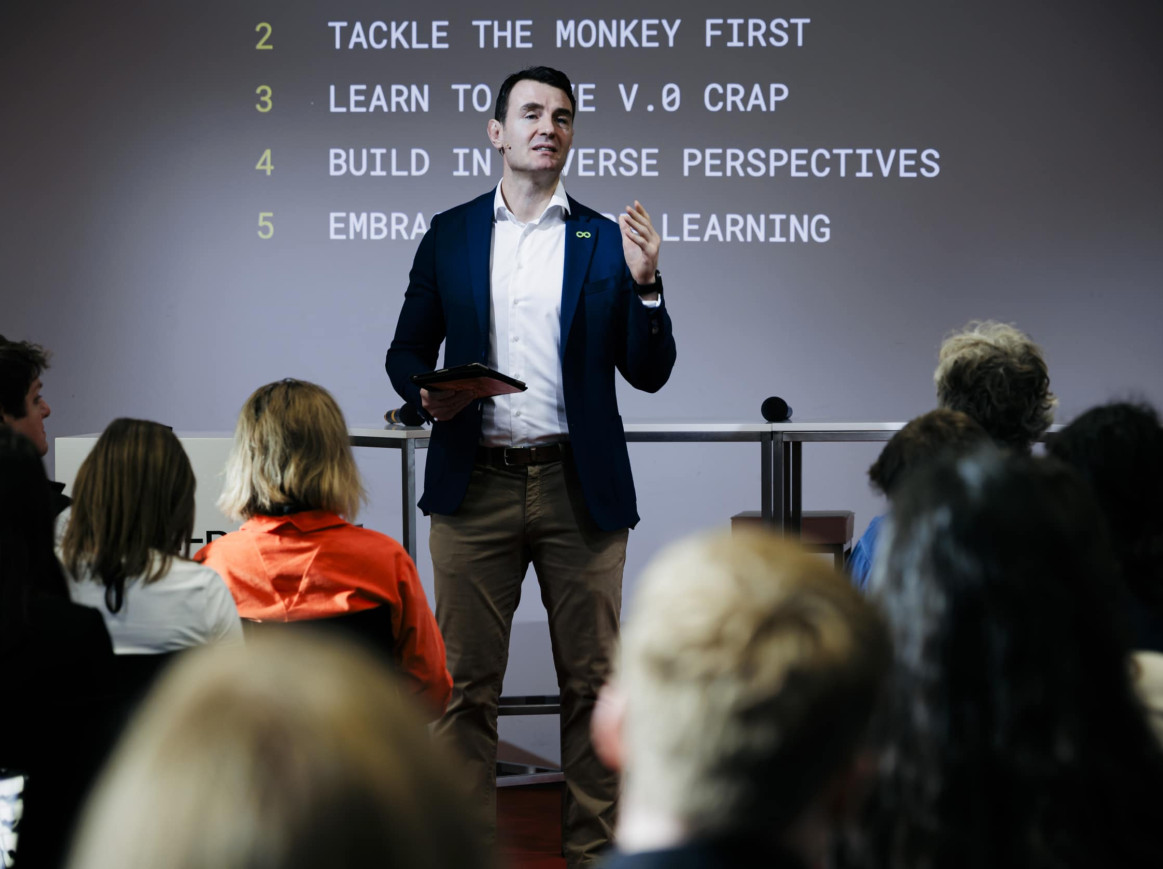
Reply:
x=603, y=327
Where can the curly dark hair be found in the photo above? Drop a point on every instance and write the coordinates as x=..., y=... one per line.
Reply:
x=997, y=375
x=20, y=364
x=1013, y=734
x=1118, y=449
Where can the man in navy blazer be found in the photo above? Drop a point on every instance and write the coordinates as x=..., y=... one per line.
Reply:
x=533, y=283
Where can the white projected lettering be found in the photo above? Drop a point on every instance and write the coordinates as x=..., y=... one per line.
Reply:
x=755, y=32
x=741, y=98
x=504, y=34
x=391, y=35
x=396, y=98
x=480, y=95
x=472, y=161
x=727, y=100
x=378, y=162
x=617, y=33
x=811, y=162
x=376, y=226
x=602, y=162
x=746, y=228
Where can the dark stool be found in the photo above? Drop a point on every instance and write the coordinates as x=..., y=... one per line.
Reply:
x=820, y=530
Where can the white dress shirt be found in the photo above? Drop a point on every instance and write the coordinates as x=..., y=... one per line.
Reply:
x=525, y=273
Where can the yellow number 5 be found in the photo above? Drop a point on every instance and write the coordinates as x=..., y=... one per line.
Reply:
x=265, y=228
x=264, y=96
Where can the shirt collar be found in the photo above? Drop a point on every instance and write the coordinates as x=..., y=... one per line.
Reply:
x=307, y=520
x=558, y=201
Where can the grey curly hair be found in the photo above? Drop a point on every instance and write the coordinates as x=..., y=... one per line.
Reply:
x=994, y=373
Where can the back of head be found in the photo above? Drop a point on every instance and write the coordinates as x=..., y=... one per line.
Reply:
x=290, y=752
x=997, y=375
x=20, y=364
x=1118, y=450
x=291, y=452
x=930, y=436
x=27, y=563
x=133, y=506
x=1016, y=739
x=750, y=670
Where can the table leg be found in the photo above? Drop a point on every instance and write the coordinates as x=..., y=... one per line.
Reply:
x=795, y=507
x=766, y=479
x=778, y=481
x=408, y=492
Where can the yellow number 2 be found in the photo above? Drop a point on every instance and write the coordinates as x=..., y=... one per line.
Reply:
x=264, y=163
x=264, y=95
x=265, y=228
x=265, y=29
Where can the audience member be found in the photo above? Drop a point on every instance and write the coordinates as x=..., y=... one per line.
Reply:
x=1118, y=450
x=997, y=375
x=22, y=407
x=127, y=544
x=925, y=438
x=747, y=677
x=292, y=477
x=1014, y=735
x=289, y=753
x=56, y=656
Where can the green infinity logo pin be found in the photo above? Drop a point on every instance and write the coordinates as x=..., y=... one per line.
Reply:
x=581, y=234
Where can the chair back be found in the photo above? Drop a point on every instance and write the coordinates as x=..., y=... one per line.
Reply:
x=370, y=628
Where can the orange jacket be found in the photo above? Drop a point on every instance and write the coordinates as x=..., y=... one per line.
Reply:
x=314, y=564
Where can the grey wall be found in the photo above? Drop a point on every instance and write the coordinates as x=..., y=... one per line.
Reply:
x=130, y=201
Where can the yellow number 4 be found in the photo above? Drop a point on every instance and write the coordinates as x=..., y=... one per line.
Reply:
x=264, y=163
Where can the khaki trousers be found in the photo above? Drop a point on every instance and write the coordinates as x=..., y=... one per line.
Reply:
x=510, y=518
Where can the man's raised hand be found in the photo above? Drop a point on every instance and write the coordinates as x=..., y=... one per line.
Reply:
x=640, y=243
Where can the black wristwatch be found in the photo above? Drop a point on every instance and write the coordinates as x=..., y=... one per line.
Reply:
x=647, y=289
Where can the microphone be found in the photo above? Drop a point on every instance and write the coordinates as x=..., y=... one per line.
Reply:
x=775, y=409
x=405, y=415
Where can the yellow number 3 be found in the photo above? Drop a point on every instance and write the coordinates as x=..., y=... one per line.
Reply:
x=264, y=95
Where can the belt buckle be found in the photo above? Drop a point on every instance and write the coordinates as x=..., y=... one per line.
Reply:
x=505, y=457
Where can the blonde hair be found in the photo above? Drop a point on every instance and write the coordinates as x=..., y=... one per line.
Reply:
x=994, y=373
x=290, y=752
x=291, y=452
x=750, y=670
x=133, y=507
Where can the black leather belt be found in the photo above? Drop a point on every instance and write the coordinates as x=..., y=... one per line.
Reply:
x=519, y=457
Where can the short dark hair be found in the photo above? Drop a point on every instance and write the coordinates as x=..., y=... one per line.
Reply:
x=932, y=435
x=544, y=74
x=1118, y=449
x=20, y=364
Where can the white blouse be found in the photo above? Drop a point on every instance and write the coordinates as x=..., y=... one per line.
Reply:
x=187, y=606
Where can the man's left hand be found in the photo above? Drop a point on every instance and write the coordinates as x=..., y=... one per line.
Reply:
x=640, y=243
